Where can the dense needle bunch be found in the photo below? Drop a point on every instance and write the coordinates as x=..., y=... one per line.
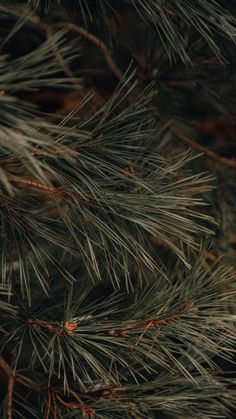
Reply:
x=112, y=302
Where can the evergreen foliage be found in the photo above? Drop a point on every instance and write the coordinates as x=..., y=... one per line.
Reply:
x=117, y=184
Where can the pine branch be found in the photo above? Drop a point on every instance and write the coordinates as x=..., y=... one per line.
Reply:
x=138, y=339
x=93, y=202
x=170, y=19
x=109, y=304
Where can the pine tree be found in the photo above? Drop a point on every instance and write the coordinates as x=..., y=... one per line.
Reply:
x=117, y=173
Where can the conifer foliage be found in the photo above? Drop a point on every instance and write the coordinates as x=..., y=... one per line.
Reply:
x=117, y=168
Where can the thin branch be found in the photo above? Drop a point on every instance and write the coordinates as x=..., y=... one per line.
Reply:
x=68, y=72
x=11, y=380
x=188, y=307
x=87, y=411
x=27, y=382
x=208, y=153
x=96, y=41
x=54, y=406
x=40, y=323
x=68, y=405
x=36, y=185
x=49, y=404
x=51, y=155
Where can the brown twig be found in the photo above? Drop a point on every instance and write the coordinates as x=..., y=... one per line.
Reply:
x=208, y=153
x=49, y=404
x=36, y=154
x=150, y=324
x=51, y=400
x=27, y=382
x=60, y=330
x=54, y=153
x=68, y=405
x=40, y=323
x=87, y=411
x=211, y=256
x=188, y=307
x=10, y=387
x=51, y=192
x=96, y=41
x=68, y=72
x=54, y=406
x=36, y=185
